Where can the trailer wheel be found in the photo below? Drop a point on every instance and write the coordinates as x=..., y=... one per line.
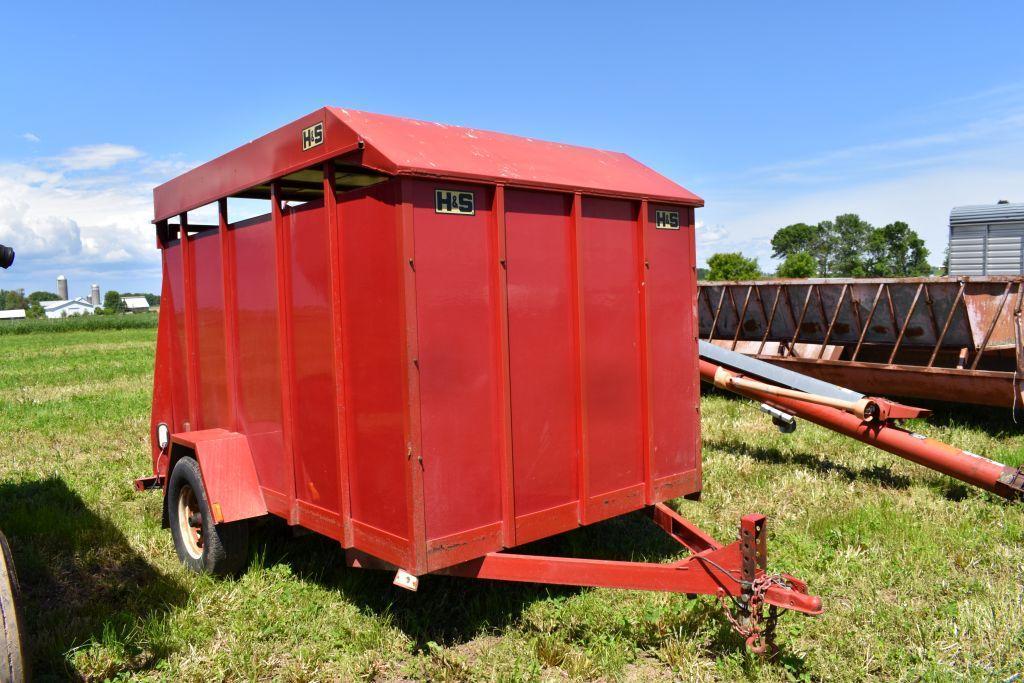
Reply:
x=202, y=545
x=13, y=663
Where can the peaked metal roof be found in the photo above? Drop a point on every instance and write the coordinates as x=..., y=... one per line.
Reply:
x=399, y=146
x=58, y=304
x=987, y=213
x=135, y=301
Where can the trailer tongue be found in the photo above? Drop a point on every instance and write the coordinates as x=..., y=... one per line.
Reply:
x=867, y=419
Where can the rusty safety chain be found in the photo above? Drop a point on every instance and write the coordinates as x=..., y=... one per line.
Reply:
x=750, y=622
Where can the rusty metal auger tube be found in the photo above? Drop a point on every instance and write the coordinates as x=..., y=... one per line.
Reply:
x=1003, y=480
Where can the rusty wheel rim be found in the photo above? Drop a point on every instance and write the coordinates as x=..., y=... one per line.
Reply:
x=190, y=522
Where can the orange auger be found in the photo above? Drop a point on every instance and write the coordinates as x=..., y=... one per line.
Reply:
x=870, y=420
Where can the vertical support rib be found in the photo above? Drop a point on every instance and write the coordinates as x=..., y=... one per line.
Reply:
x=855, y=306
x=892, y=309
x=867, y=322
x=800, y=322
x=189, y=308
x=411, y=386
x=644, y=336
x=740, y=316
x=792, y=318
x=931, y=311
x=832, y=322
x=718, y=312
x=760, y=304
x=340, y=361
x=282, y=256
x=949, y=321
x=906, y=322
x=504, y=399
x=771, y=319
x=579, y=341
x=992, y=326
x=821, y=307
x=230, y=294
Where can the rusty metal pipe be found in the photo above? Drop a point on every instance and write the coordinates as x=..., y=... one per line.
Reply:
x=726, y=379
x=1003, y=480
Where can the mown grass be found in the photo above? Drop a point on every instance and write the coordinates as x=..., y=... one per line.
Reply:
x=923, y=579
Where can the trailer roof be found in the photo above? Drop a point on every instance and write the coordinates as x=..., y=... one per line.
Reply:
x=391, y=145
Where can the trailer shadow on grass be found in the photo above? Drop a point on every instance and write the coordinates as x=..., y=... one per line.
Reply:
x=81, y=580
x=452, y=611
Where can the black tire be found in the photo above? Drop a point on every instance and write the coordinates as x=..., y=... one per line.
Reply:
x=202, y=545
x=13, y=660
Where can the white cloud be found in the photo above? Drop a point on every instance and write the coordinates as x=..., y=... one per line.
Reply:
x=31, y=137
x=85, y=214
x=709, y=235
x=96, y=156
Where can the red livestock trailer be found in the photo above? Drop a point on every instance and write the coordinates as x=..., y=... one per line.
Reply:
x=438, y=344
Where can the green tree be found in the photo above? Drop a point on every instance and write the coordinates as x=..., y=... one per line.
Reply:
x=798, y=264
x=112, y=301
x=12, y=299
x=815, y=240
x=732, y=266
x=849, y=246
x=850, y=236
x=40, y=295
x=896, y=251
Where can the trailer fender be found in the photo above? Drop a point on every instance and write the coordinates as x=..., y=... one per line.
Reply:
x=228, y=471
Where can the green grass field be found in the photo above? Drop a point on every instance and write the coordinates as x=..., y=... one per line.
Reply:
x=922, y=578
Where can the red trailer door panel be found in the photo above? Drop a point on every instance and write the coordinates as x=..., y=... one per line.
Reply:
x=259, y=377
x=612, y=380
x=316, y=424
x=459, y=379
x=675, y=394
x=542, y=361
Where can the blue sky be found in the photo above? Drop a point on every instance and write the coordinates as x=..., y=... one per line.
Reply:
x=774, y=113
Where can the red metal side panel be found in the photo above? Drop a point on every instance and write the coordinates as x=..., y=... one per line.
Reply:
x=212, y=410
x=259, y=408
x=542, y=361
x=374, y=371
x=459, y=377
x=673, y=357
x=316, y=432
x=611, y=322
x=173, y=297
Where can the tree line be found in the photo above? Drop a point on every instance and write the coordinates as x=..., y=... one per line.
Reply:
x=847, y=246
